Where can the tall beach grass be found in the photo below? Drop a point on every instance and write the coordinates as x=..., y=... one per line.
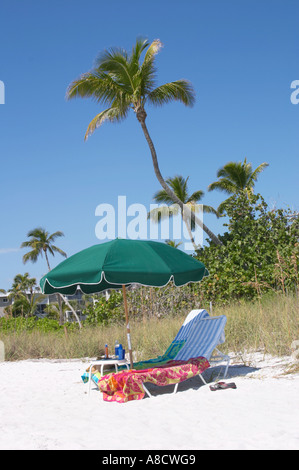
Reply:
x=269, y=324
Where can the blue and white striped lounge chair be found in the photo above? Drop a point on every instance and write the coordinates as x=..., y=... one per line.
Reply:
x=201, y=335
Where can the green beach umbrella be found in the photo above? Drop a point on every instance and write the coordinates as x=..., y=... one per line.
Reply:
x=120, y=263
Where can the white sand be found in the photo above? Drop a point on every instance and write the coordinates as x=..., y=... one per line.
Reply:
x=45, y=405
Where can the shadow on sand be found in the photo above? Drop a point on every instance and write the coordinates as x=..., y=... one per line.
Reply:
x=213, y=374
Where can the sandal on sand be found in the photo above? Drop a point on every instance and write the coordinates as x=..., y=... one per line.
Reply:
x=222, y=386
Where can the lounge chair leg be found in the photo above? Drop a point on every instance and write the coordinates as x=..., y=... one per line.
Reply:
x=150, y=395
x=147, y=392
x=226, y=369
x=202, y=379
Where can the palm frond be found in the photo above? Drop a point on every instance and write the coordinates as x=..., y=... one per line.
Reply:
x=236, y=172
x=237, y=176
x=32, y=256
x=153, y=50
x=162, y=196
x=258, y=170
x=209, y=210
x=116, y=65
x=84, y=86
x=111, y=114
x=145, y=76
x=196, y=196
x=105, y=59
x=224, y=185
x=58, y=250
x=179, y=186
x=163, y=213
x=140, y=45
x=26, y=244
x=54, y=235
x=38, y=232
x=145, y=80
x=100, y=86
x=180, y=90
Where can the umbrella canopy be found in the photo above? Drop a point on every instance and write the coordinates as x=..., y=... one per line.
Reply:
x=119, y=263
x=110, y=265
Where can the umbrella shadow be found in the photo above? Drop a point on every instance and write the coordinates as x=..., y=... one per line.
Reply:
x=211, y=375
x=194, y=383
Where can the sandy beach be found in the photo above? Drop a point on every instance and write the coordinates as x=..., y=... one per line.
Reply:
x=45, y=405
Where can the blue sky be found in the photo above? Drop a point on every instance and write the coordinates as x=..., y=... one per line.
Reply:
x=241, y=57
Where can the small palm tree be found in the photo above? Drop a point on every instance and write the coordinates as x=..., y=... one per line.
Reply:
x=25, y=306
x=125, y=82
x=41, y=243
x=235, y=177
x=22, y=283
x=179, y=185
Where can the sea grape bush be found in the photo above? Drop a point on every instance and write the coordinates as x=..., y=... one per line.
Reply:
x=259, y=252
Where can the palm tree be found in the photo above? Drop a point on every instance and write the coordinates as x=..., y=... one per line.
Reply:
x=25, y=306
x=124, y=82
x=235, y=177
x=22, y=283
x=41, y=242
x=179, y=185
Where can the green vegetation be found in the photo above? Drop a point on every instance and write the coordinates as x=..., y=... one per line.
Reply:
x=105, y=311
x=259, y=252
x=269, y=325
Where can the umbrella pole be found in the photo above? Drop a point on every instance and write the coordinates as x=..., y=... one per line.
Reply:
x=128, y=326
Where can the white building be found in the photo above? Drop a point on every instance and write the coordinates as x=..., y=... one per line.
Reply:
x=6, y=300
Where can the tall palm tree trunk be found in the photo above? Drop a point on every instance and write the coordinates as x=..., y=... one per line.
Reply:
x=190, y=233
x=141, y=116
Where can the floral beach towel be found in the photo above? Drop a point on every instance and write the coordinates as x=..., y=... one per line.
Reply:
x=127, y=385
